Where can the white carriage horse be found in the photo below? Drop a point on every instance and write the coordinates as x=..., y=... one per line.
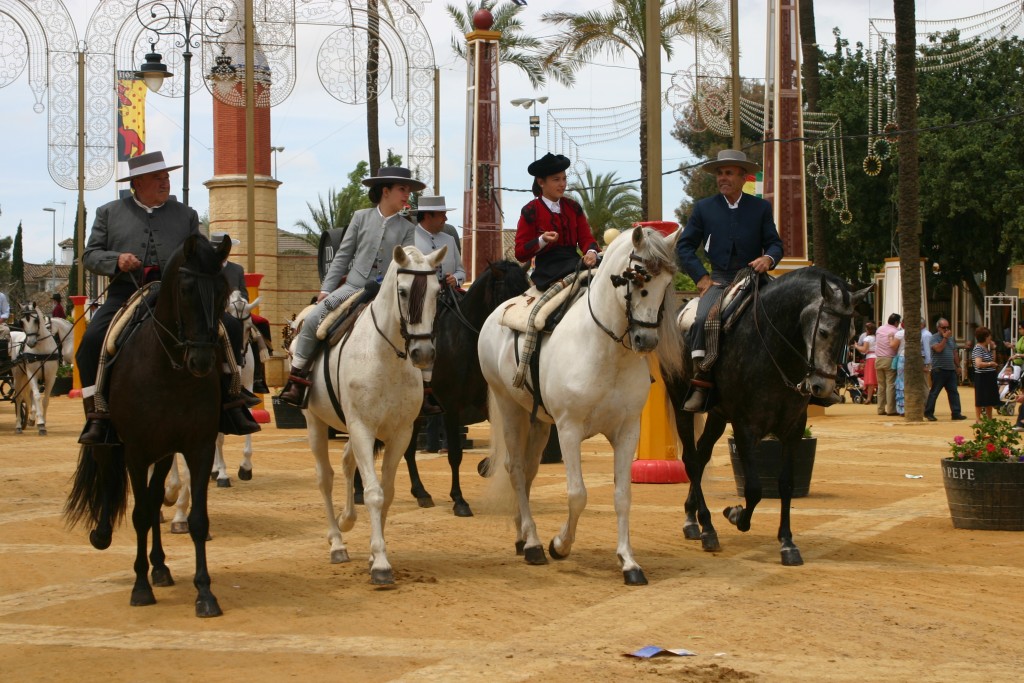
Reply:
x=177, y=491
x=48, y=343
x=371, y=386
x=594, y=379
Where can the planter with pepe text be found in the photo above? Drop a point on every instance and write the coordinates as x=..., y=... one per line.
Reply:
x=768, y=454
x=984, y=478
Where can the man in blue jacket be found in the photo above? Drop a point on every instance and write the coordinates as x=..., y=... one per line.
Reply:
x=734, y=230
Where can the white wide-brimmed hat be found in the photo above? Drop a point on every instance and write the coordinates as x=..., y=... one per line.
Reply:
x=436, y=203
x=151, y=162
x=730, y=157
x=218, y=237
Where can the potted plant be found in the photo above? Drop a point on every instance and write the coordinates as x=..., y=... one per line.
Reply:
x=768, y=455
x=984, y=478
x=63, y=382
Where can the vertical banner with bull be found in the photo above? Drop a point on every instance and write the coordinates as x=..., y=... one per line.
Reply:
x=131, y=119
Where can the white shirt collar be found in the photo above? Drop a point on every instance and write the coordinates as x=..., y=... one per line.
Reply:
x=148, y=209
x=555, y=207
x=732, y=205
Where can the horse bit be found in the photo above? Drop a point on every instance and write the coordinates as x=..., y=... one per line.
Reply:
x=404, y=327
x=637, y=275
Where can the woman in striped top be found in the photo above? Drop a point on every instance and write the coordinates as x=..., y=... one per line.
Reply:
x=986, y=392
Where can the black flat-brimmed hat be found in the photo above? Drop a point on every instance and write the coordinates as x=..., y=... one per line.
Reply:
x=549, y=164
x=730, y=157
x=387, y=175
x=150, y=162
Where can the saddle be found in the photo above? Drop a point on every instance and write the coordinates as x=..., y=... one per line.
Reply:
x=128, y=318
x=722, y=316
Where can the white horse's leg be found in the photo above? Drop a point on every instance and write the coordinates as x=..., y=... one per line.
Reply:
x=361, y=441
x=569, y=439
x=316, y=430
x=624, y=444
x=348, y=468
x=179, y=525
x=220, y=468
x=521, y=439
x=245, y=467
x=49, y=375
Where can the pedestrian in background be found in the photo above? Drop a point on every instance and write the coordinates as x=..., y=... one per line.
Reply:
x=886, y=346
x=867, y=347
x=945, y=372
x=986, y=391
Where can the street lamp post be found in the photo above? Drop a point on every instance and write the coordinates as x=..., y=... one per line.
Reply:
x=526, y=103
x=53, y=266
x=177, y=18
x=275, y=150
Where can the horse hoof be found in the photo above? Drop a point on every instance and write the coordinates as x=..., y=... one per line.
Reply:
x=42, y=431
x=214, y=475
x=99, y=541
x=179, y=527
x=709, y=543
x=634, y=577
x=791, y=557
x=224, y=483
x=734, y=514
x=519, y=547
x=357, y=498
x=208, y=608
x=555, y=555
x=244, y=474
x=461, y=509
x=162, y=577
x=382, y=577
x=425, y=502
x=691, y=532
x=141, y=597
x=483, y=466
x=339, y=556
x=535, y=555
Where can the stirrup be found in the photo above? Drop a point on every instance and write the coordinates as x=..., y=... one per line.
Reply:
x=698, y=400
x=296, y=391
x=98, y=431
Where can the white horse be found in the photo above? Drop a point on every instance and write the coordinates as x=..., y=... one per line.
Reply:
x=594, y=379
x=177, y=491
x=372, y=388
x=48, y=343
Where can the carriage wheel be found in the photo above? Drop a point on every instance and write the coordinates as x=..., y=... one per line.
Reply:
x=23, y=415
x=6, y=389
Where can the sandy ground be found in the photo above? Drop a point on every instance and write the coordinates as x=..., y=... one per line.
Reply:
x=889, y=592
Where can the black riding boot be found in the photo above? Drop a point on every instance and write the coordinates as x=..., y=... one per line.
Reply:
x=235, y=417
x=700, y=392
x=430, y=405
x=97, y=426
x=294, y=392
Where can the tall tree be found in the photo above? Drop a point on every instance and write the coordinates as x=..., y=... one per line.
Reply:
x=621, y=29
x=607, y=204
x=809, y=71
x=73, y=274
x=907, y=202
x=17, y=293
x=515, y=46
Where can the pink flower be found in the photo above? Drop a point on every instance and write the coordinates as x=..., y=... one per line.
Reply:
x=958, y=440
x=990, y=447
x=1006, y=451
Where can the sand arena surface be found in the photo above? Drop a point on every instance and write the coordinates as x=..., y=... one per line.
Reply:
x=889, y=592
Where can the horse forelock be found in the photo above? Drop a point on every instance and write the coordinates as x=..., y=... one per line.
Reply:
x=417, y=299
x=656, y=253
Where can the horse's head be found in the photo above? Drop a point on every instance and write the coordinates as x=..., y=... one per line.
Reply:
x=641, y=270
x=826, y=323
x=237, y=307
x=193, y=294
x=413, y=277
x=502, y=280
x=31, y=322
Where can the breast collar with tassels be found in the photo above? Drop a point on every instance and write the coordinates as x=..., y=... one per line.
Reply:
x=636, y=275
x=404, y=325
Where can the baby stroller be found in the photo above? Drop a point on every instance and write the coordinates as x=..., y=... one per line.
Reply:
x=1009, y=389
x=849, y=382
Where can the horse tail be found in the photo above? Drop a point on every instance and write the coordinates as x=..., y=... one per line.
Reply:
x=670, y=350
x=500, y=496
x=99, y=493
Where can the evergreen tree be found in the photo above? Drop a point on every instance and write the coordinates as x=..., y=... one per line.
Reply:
x=17, y=293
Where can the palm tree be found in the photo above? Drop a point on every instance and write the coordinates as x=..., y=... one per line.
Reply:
x=607, y=204
x=621, y=30
x=516, y=48
x=336, y=211
x=907, y=206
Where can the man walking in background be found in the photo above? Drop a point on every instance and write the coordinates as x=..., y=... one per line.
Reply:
x=886, y=346
x=944, y=371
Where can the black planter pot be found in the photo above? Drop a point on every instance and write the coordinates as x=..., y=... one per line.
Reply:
x=287, y=416
x=984, y=495
x=62, y=386
x=769, y=463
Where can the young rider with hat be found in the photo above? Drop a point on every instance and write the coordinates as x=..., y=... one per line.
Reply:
x=735, y=230
x=552, y=228
x=363, y=258
x=58, y=307
x=132, y=239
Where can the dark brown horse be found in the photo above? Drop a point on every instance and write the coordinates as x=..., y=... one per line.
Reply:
x=164, y=389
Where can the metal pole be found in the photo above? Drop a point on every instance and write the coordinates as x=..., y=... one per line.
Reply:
x=437, y=132
x=80, y=222
x=250, y=137
x=53, y=263
x=187, y=54
x=652, y=48
x=531, y=132
x=734, y=29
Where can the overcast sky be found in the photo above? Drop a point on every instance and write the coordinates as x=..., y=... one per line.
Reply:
x=324, y=139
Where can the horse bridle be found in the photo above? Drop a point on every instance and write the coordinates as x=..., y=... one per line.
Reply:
x=205, y=284
x=802, y=387
x=637, y=275
x=403, y=323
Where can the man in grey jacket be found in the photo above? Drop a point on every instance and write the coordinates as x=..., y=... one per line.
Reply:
x=132, y=239
x=362, y=260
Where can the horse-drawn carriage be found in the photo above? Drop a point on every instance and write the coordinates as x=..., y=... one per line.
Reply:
x=6, y=364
